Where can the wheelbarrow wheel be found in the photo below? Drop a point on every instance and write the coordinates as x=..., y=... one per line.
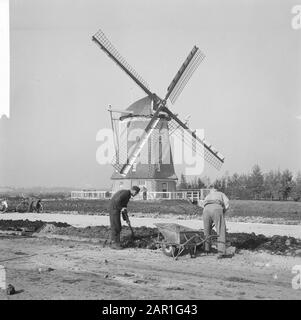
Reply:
x=169, y=250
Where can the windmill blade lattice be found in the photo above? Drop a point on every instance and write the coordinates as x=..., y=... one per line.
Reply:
x=120, y=141
x=191, y=63
x=198, y=145
x=113, y=53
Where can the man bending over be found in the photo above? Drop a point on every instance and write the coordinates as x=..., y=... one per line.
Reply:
x=119, y=201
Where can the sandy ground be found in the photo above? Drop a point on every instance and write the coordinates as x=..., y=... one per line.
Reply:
x=89, y=271
x=42, y=268
x=78, y=220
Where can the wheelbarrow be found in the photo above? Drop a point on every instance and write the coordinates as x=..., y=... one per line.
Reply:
x=177, y=238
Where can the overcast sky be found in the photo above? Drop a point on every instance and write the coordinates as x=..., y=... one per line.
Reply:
x=245, y=94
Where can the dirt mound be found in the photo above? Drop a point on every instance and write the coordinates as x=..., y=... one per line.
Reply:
x=47, y=228
x=146, y=238
x=249, y=241
x=282, y=245
x=34, y=226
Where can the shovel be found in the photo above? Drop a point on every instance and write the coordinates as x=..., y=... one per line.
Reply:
x=129, y=224
x=127, y=220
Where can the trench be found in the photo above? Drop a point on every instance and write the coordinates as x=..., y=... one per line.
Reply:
x=147, y=238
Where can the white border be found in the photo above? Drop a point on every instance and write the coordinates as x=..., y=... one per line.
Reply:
x=4, y=58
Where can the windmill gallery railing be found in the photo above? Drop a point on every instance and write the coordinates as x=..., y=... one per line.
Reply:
x=192, y=195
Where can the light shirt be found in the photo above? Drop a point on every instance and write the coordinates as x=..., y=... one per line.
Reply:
x=218, y=197
x=4, y=204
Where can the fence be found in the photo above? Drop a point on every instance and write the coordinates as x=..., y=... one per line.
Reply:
x=193, y=195
x=91, y=195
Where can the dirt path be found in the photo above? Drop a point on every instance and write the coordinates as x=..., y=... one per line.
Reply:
x=88, y=271
x=78, y=220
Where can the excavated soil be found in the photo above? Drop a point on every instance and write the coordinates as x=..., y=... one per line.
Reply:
x=33, y=226
x=146, y=237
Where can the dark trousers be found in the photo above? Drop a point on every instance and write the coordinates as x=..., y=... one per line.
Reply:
x=115, y=223
x=30, y=206
x=213, y=213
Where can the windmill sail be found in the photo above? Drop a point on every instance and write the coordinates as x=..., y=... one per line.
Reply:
x=105, y=44
x=187, y=69
x=124, y=159
x=200, y=146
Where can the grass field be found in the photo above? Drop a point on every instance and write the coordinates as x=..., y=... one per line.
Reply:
x=239, y=208
x=268, y=209
x=180, y=207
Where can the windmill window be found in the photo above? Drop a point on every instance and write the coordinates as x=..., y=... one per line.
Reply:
x=160, y=149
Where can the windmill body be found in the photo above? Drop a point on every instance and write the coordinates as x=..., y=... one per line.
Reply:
x=154, y=167
x=142, y=139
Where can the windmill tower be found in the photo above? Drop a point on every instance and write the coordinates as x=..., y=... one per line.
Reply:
x=142, y=132
x=153, y=168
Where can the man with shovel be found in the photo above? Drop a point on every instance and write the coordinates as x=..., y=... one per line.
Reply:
x=118, y=206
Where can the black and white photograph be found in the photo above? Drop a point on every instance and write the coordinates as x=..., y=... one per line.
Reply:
x=150, y=151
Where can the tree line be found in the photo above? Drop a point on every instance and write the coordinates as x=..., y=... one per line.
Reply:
x=273, y=185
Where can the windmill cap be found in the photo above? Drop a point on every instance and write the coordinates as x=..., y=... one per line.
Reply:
x=141, y=107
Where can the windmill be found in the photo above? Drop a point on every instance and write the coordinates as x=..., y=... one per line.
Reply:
x=155, y=124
